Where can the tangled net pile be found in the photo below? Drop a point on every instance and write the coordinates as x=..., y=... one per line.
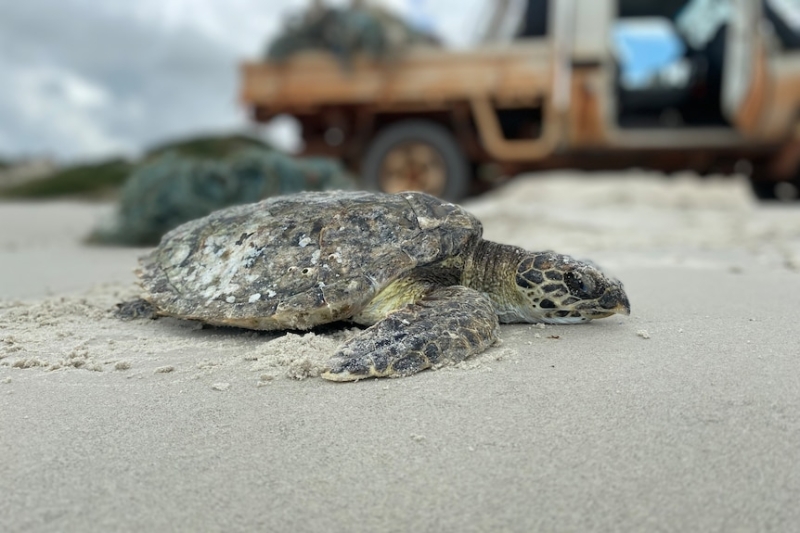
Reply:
x=345, y=32
x=173, y=189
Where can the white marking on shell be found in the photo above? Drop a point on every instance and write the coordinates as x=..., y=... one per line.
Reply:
x=271, y=293
x=251, y=255
x=427, y=223
x=209, y=292
x=208, y=249
x=321, y=284
x=214, y=280
x=305, y=241
x=178, y=256
x=315, y=257
x=254, y=297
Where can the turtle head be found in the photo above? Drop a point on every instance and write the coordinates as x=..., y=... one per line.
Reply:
x=558, y=289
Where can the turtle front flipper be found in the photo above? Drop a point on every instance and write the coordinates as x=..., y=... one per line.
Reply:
x=448, y=324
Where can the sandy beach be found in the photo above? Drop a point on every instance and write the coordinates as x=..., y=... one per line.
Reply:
x=684, y=416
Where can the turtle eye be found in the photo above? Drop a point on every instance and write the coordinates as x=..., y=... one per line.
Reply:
x=587, y=284
x=581, y=284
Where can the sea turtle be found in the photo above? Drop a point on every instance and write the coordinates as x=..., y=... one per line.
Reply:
x=410, y=266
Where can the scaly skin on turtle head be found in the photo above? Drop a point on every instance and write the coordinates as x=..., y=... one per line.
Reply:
x=558, y=289
x=542, y=286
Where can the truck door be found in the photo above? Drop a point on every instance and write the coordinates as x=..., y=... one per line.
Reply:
x=745, y=79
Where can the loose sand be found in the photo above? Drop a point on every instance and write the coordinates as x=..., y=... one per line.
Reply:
x=683, y=417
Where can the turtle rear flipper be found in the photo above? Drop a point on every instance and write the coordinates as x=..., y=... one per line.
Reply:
x=450, y=323
x=133, y=309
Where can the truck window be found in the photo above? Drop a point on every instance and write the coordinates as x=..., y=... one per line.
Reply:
x=648, y=52
x=515, y=19
x=784, y=16
x=534, y=23
x=669, y=57
x=649, y=8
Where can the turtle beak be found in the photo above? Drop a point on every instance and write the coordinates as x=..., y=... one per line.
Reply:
x=616, y=302
x=623, y=306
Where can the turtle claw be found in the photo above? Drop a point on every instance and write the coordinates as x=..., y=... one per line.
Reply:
x=347, y=369
x=356, y=368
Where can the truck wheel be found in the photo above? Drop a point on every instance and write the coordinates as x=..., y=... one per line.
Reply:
x=416, y=155
x=763, y=190
x=785, y=191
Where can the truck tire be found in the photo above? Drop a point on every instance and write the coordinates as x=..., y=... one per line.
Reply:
x=763, y=190
x=417, y=155
x=784, y=191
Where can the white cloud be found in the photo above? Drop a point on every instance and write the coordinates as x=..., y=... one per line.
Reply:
x=52, y=83
x=57, y=111
x=126, y=75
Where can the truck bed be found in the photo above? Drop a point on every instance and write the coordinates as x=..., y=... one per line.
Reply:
x=423, y=78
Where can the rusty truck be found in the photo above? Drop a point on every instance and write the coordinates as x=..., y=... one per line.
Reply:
x=433, y=119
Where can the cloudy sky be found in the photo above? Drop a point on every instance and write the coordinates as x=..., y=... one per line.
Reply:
x=83, y=79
